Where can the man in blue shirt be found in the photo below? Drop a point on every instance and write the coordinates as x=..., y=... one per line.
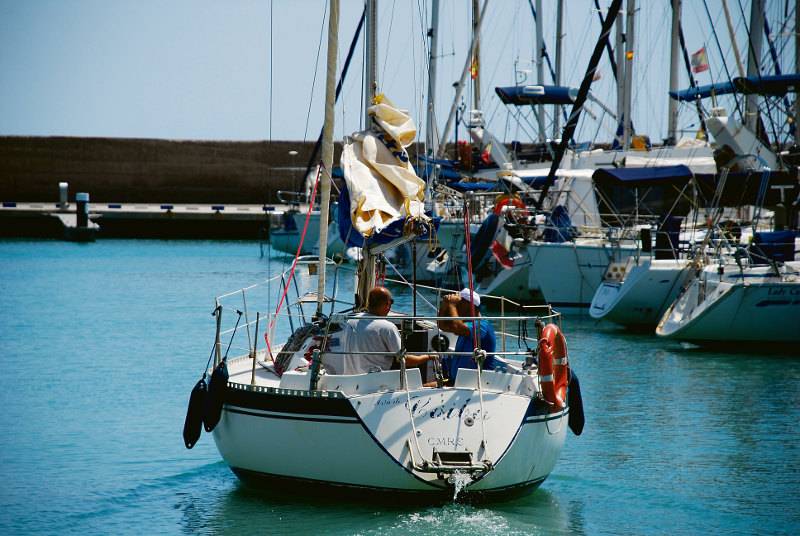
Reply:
x=460, y=305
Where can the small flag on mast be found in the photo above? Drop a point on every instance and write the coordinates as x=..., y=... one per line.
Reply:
x=473, y=69
x=700, y=61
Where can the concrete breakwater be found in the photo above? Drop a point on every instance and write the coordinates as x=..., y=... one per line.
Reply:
x=150, y=170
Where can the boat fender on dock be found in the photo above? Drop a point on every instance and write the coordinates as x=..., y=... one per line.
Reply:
x=194, y=415
x=216, y=395
x=576, y=418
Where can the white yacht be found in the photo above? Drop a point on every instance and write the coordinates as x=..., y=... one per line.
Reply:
x=729, y=303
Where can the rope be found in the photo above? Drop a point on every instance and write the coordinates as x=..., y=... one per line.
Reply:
x=294, y=263
x=467, y=238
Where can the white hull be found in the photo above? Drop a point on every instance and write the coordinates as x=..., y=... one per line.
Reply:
x=760, y=307
x=649, y=287
x=345, y=436
x=568, y=273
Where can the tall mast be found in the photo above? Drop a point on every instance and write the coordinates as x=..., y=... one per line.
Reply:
x=619, y=48
x=674, y=57
x=460, y=87
x=629, y=54
x=430, y=127
x=732, y=33
x=476, y=56
x=539, y=67
x=327, y=149
x=753, y=58
x=797, y=70
x=557, y=81
x=370, y=57
x=366, y=266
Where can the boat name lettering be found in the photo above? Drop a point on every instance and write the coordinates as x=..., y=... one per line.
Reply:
x=445, y=441
x=782, y=291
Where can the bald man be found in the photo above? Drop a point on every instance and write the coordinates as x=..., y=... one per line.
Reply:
x=375, y=335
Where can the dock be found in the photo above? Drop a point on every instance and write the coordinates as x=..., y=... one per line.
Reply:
x=144, y=220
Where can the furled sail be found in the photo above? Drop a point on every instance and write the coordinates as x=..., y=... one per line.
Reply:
x=381, y=184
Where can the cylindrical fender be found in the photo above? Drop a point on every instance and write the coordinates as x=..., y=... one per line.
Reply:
x=553, y=367
x=216, y=396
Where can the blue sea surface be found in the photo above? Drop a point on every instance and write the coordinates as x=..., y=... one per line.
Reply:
x=101, y=344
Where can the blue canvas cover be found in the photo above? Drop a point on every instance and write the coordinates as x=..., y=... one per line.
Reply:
x=774, y=245
x=525, y=95
x=644, y=176
x=351, y=237
x=559, y=226
x=472, y=186
x=776, y=85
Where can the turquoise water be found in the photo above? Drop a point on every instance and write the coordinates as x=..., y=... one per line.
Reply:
x=101, y=344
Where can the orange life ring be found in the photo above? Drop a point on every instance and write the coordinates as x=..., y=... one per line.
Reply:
x=553, y=367
x=514, y=201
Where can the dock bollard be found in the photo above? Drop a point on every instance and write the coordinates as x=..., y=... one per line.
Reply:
x=63, y=200
x=82, y=209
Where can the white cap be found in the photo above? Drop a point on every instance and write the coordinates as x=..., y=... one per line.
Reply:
x=476, y=298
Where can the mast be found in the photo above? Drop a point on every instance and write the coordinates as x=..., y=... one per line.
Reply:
x=580, y=99
x=619, y=48
x=539, y=67
x=327, y=149
x=753, y=58
x=797, y=70
x=370, y=58
x=557, y=81
x=430, y=127
x=460, y=87
x=366, y=266
x=732, y=33
x=627, y=131
x=476, y=57
x=674, y=80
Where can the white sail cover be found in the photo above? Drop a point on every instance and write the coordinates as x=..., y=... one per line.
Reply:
x=381, y=181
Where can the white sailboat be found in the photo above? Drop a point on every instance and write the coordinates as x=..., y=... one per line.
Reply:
x=757, y=304
x=288, y=414
x=641, y=290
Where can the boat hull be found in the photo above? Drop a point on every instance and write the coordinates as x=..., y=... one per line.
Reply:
x=368, y=442
x=641, y=298
x=741, y=312
x=568, y=274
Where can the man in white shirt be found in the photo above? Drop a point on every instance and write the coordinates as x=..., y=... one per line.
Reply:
x=375, y=335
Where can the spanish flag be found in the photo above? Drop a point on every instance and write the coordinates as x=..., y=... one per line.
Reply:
x=473, y=69
x=700, y=61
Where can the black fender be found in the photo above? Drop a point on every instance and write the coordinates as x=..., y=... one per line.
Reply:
x=216, y=396
x=194, y=415
x=576, y=417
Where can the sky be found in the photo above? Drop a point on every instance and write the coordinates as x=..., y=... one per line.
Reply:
x=255, y=70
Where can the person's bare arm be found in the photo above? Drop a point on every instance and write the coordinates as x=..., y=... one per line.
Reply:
x=416, y=360
x=448, y=308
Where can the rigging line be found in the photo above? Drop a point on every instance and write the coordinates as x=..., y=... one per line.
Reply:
x=546, y=56
x=406, y=282
x=692, y=81
x=583, y=92
x=388, y=39
x=609, y=50
x=722, y=55
x=316, y=68
x=345, y=68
